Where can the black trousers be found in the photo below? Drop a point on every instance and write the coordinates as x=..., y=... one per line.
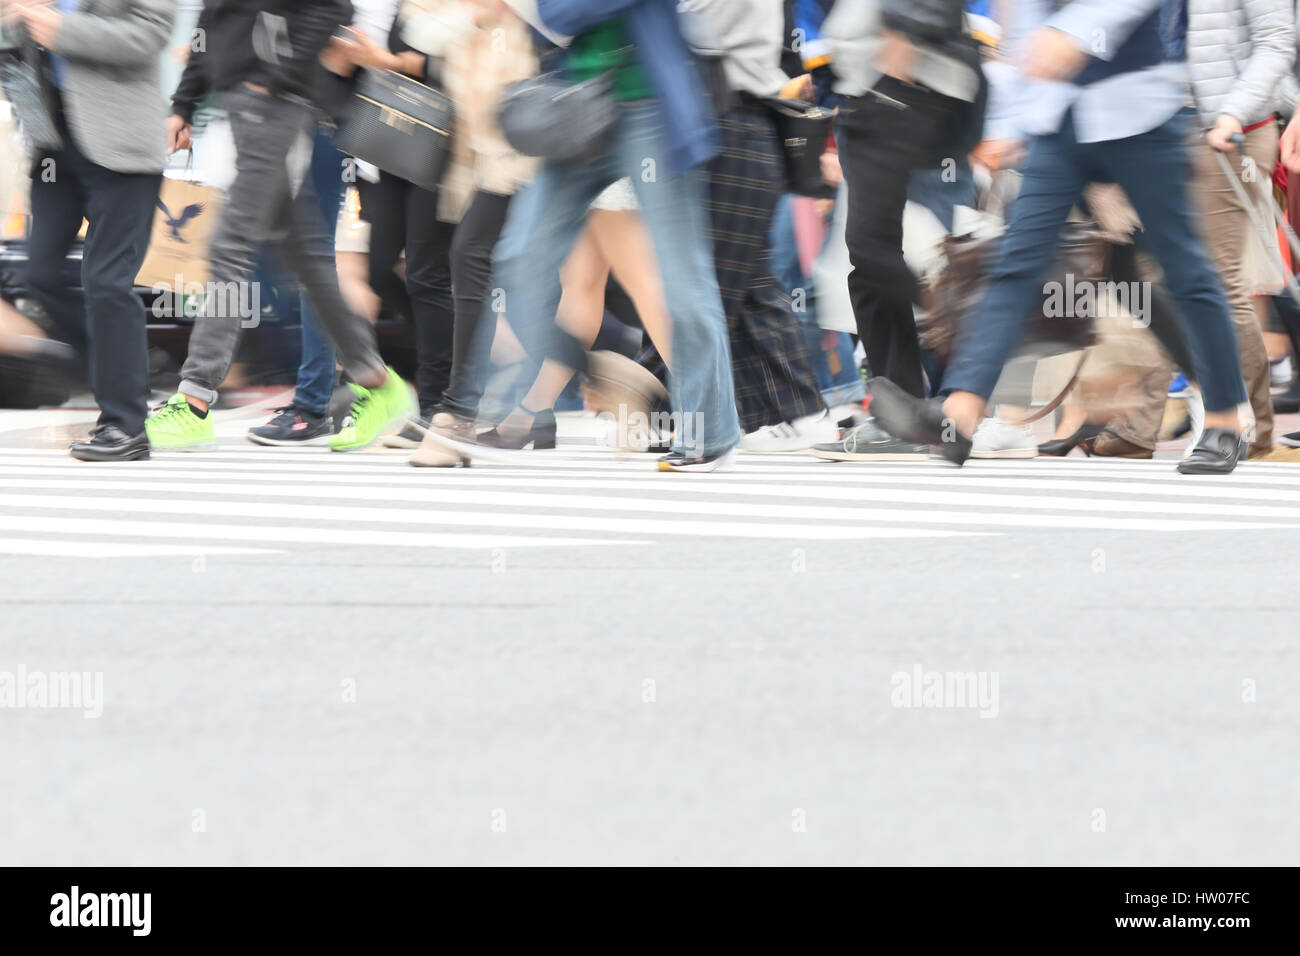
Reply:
x=882, y=140
x=108, y=323
x=404, y=216
x=471, y=272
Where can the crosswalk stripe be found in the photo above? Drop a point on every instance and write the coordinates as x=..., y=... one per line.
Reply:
x=1229, y=488
x=257, y=500
x=844, y=517
x=463, y=491
x=357, y=537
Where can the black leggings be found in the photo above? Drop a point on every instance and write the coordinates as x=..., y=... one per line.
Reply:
x=471, y=270
x=404, y=216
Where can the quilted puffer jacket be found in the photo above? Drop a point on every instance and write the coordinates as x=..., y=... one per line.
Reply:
x=1238, y=54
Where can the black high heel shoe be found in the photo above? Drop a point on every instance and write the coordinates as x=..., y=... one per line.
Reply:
x=541, y=435
x=1060, y=447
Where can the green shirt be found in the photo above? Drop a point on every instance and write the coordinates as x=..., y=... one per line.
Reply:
x=606, y=47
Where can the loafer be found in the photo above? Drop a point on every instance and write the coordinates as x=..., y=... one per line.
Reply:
x=1109, y=445
x=110, y=443
x=919, y=420
x=1217, y=453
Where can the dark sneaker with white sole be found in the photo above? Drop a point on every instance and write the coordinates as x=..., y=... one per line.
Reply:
x=292, y=425
x=870, y=442
x=1291, y=440
x=676, y=461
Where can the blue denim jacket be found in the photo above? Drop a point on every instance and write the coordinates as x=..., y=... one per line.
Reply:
x=652, y=26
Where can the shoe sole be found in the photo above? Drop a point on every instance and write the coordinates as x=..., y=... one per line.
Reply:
x=710, y=468
x=469, y=451
x=201, y=447
x=314, y=442
x=397, y=441
x=868, y=456
x=1289, y=442
x=141, y=455
x=1184, y=468
x=1007, y=454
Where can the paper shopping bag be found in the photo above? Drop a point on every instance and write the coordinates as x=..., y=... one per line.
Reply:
x=184, y=220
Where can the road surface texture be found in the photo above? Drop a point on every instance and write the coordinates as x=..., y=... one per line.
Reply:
x=307, y=657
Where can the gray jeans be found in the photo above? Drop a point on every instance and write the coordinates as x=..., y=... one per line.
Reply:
x=271, y=200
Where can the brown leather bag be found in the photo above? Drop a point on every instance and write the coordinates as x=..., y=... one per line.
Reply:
x=1083, y=257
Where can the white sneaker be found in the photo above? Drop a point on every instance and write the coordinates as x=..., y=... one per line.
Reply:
x=998, y=439
x=1280, y=372
x=790, y=437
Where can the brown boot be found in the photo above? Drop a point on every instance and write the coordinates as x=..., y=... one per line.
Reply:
x=1110, y=445
x=433, y=453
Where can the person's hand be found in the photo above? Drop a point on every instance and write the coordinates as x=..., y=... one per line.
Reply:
x=363, y=51
x=897, y=56
x=1218, y=134
x=1290, y=142
x=42, y=22
x=335, y=58
x=800, y=88
x=1053, y=55
x=832, y=172
x=998, y=153
x=178, y=134
x=11, y=11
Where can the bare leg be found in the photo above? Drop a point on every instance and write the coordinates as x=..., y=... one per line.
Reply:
x=624, y=242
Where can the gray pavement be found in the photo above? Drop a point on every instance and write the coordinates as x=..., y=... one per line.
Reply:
x=315, y=658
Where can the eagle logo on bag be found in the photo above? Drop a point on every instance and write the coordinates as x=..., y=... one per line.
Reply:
x=174, y=223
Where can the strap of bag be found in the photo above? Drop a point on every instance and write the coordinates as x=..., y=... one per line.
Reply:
x=1056, y=402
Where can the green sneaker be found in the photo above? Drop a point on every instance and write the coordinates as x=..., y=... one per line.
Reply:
x=175, y=427
x=373, y=412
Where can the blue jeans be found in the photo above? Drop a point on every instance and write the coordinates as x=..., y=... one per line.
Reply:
x=928, y=188
x=316, y=368
x=543, y=225
x=1153, y=169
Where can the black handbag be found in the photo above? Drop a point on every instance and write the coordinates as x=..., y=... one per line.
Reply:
x=549, y=117
x=399, y=125
x=804, y=130
x=21, y=80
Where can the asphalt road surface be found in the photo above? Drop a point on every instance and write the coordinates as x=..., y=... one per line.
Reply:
x=312, y=658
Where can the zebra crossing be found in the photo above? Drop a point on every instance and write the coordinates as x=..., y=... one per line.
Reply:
x=255, y=501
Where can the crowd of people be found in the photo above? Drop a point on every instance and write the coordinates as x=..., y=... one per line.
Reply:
x=706, y=307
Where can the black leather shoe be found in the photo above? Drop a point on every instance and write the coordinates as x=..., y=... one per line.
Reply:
x=110, y=443
x=1060, y=447
x=919, y=420
x=1215, y=454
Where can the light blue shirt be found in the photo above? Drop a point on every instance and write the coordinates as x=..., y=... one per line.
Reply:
x=1116, y=107
x=58, y=64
